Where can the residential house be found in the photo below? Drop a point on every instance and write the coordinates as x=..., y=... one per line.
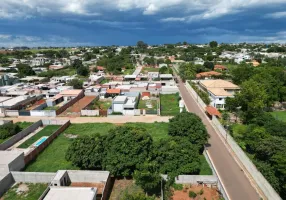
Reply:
x=218, y=91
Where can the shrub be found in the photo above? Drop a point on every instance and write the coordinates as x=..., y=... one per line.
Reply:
x=177, y=186
x=201, y=192
x=192, y=194
x=9, y=129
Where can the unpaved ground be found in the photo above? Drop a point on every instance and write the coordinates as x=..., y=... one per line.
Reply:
x=208, y=193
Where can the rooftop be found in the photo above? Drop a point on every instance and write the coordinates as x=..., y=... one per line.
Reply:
x=120, y=99
x=14, y=101
x=219, y=92
x=8, y=156
x=2, y=99
x=218, y=84
x=206, y=74
x=70, y=92
x=113, y=91
x=71, y=193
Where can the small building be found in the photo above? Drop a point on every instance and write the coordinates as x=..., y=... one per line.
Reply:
x=113, y=92
x=56, y=67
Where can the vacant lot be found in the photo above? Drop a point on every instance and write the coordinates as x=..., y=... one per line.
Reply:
x=150, y=69
x=53, y=157
x=143, y=104
x=46, y=131
x=25, y=191
x=280, y=115
x=169, y=104
x=200, y=192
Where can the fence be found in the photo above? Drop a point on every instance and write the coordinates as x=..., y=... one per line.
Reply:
x=252, y=171
x=33, y=154
x=11, y=113
x=19, y=136
x=89, y=112
x=43, y=113
x=70, y=103
x=24, y=113
x=33, y=177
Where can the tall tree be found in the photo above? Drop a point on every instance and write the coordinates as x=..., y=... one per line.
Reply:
x=213, y=44
x=126, y=148
x=24, y=70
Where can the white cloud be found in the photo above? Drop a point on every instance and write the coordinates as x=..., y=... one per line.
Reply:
x=276, y=15
x=192, y=9
x=173, y=19
x=34, y=41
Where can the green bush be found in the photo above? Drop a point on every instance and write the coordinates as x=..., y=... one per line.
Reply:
x=201, y=192
x=192, y=194
x=177, y=186
x=203, y=95
x=9, y=129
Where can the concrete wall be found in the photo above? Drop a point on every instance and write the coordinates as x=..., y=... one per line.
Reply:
x=88, y=176
x=33, y=154
x=70, y=103
x=17, y=164
x=89, y=112
x=5, y=183
x=41, y=107
x=11, y=113
x=33, y=177
x=16, y=138
x=5, y=122
x=91, y=93
x=194, y=179
x=54, y=122
x=43, y=113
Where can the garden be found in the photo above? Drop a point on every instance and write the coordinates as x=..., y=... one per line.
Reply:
x=169, y=104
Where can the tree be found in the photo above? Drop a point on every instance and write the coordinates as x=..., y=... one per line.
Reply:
x=83, y=71
x=126, y=148
x=76, y=83
x=209, y=65
x=86, y=152
x=8, y=129
x=242, y=73
x=177, y=155
x=213, y=44
x=24, y=70
x=187, y=71
x=142, y=45
x=147, y=176
x=189, y=125
x=252, y=99
x=163, y=70
x=77, y=64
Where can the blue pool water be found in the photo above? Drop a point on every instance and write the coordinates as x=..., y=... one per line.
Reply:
x=39, y=142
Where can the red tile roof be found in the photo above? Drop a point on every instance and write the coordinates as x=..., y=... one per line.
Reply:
x=147, y=94
x=113, y=91
x=213, y=111
x=207, y=74
x=100, y=68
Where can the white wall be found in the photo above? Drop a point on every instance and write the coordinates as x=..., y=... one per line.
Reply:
x=43, y=113
x=89, y=112
x=117, y=108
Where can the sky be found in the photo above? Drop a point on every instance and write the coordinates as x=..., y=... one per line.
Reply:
x=124, y=22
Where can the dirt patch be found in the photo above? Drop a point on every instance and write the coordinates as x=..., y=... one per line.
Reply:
x=70, y=136
x=202, y=192
x=22, y=188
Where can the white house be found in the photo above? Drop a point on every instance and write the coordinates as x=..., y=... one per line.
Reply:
x=218, y=91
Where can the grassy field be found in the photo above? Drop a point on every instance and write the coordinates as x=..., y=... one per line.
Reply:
x=205, y=168
x=51, y=108
x=169, y=104
x=147, y=69
x=46, y=131
x=128, y=71
x=280, y=115
x=22, y=125
x=142, y=104
x=33, y=193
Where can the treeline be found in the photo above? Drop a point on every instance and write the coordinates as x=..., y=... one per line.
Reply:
x=129, y=151
x=262, y=136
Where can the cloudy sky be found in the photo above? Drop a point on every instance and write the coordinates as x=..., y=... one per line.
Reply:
x=124, y=22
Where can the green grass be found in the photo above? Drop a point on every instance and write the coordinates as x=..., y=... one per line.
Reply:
x=22, y=125
x=205, y=168
x=128, y=71
x=46, y=131
x=34, y=192
x=102, y=105
x=147, y=69
x=142, y=104
x=169, y=104
x=280, y=115
x=104, y=81
x=51, y=108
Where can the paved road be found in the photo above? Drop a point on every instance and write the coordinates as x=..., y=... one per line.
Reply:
x=111, y=119
x=236, y=183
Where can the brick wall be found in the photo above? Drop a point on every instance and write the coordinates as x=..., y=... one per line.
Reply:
x=33, y=154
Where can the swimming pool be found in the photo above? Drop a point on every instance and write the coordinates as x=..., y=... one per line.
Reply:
x=40, y=141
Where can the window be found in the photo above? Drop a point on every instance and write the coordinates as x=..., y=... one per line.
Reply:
x=220, y=99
